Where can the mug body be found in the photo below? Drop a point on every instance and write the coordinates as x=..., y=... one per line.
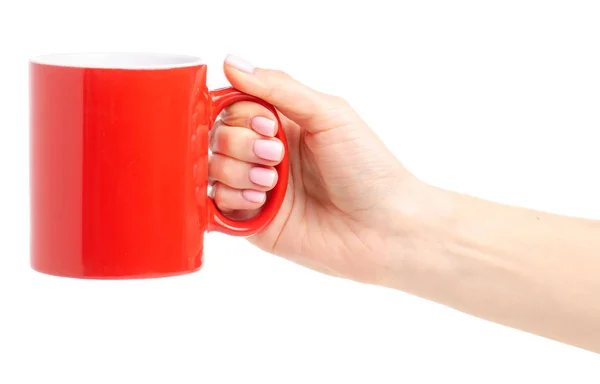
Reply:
x=118, y=166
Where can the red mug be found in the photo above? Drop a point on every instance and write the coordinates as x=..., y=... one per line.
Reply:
x=119, y=165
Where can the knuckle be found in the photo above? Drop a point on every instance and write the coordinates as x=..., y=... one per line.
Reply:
x=272, y=92
x=338, y=101
x=220, y=195
x=277, y=83
x=213, y=136
x=273, y=74
x=221, y=140
x=228, y=172
x=241, y=115
x=237, y=113
x=216, y=191
x=281, y=74
x=213, y=164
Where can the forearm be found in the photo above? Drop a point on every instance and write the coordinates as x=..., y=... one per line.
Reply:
x=529, y=270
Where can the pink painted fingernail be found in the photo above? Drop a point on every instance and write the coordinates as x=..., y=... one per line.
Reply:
x=239, y=63
x=262, y=176
x=263, y=126
x=254, y=196
x=268, y=149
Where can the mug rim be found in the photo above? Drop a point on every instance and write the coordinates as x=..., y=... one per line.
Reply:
x=117, y=60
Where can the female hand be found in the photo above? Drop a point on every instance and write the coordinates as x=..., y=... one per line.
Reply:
x=352, y=210
x=343, y=180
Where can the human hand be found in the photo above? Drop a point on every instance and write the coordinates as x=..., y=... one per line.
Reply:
x=352, y=210
x=345, y=186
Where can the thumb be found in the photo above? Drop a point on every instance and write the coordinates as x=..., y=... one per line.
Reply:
x=293, y=99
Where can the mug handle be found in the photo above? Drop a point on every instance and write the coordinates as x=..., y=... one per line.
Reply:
x=217, y=222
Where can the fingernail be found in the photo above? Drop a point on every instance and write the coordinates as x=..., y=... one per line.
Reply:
x=254, y=196
x=263, y=126
x=268, y=149
x=262, y=176
x=239, y=63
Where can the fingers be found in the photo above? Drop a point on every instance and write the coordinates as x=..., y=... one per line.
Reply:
x=250, y=115
x=245, y=145
x=230, y=199
x=241, y=175
x=244, y=153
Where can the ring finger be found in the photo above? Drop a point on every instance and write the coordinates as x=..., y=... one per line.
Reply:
x=241, y=175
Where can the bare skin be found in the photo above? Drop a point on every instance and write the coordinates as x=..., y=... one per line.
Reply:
x=353, y=211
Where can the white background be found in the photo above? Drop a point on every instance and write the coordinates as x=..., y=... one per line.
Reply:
x=496, y=99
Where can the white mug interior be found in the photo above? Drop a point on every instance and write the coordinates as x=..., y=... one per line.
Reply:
x=118, y=60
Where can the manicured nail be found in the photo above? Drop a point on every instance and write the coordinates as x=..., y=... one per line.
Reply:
x=254, y=196
x=263, y=126
x=268, y=149
x=262, y=176
x=239, y=63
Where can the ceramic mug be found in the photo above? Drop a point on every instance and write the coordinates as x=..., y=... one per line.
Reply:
x=119, y=165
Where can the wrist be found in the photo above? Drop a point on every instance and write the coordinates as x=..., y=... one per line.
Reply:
x=419, y=231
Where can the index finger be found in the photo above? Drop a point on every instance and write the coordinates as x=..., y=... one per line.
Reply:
x=250, y=115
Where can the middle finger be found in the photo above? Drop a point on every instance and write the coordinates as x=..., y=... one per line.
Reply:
x=245, y=145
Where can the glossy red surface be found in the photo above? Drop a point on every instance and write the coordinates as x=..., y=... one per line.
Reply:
x=119, y=171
